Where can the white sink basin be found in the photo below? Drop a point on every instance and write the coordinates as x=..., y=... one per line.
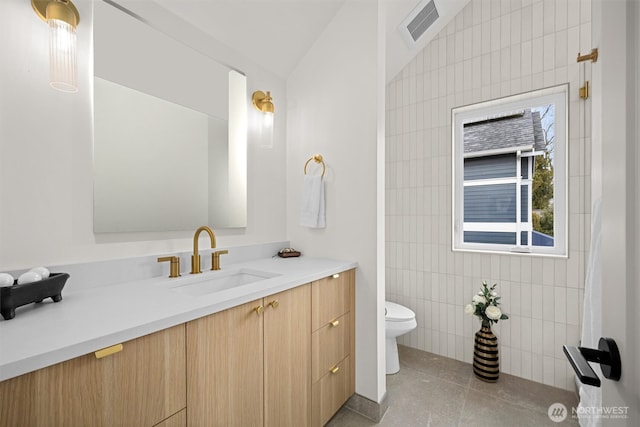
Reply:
x=210, y=282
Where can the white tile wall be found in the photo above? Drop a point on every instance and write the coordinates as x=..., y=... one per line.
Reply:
x=493, y=48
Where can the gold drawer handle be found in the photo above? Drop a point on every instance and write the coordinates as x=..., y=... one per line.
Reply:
x=275, y=303
x=259, y=310
x=108, y=351
x=335, y=323
x=335, y=369
x=335, y=276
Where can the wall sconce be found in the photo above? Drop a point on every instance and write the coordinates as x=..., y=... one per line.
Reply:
x=263, y=103
x=62, y=17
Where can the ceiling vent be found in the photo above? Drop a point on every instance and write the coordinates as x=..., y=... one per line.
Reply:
x=418, y=21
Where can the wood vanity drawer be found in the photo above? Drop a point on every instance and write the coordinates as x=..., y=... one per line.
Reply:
x=331, y=392
x=330, y=344
x=176, y=420
x=330, y=298
x=141, y=385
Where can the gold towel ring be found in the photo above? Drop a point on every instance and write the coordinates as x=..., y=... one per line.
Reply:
x=318, y=159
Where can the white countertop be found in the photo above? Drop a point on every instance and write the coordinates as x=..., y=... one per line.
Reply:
x=84, y=321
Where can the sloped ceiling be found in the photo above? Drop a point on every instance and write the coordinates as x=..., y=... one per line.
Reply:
x=276, y=34
x=273, y=33
x=398, y=54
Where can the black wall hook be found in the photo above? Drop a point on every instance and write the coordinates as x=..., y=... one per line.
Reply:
x=607, y=355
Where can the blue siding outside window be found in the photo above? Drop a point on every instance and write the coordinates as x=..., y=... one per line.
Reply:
x=496, y=203
x=490, y=203
x=524, y=203
x=503, y=166
x=539, y=239
x=501, y=238
x=524, y=167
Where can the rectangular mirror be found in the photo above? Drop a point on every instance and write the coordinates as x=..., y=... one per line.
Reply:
x=169, y=132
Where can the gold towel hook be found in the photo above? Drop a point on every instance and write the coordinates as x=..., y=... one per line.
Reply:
x=318, y=159
x=593, y=56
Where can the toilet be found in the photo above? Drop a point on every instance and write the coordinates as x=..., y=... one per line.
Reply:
x=398, y=321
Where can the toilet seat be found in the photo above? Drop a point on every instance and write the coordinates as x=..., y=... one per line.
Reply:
x=397, y=313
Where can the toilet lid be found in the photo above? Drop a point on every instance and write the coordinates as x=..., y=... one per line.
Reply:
x=397, y=313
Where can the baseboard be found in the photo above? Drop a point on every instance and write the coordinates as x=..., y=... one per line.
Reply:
x=368, y=408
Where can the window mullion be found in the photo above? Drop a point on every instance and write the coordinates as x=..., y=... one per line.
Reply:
x=530, y=162
x=518, y=198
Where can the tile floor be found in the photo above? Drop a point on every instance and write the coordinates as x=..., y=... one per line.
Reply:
x=432, y=390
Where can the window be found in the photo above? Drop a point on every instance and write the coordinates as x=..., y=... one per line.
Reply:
x=510, y=174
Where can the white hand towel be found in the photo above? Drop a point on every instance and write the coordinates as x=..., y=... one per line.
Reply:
x=312, y=210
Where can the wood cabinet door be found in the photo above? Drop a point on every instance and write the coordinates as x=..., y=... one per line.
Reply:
x=141, y=385
x=145, y=382
x=287, y=364
x=225, y=368
x=65, y=394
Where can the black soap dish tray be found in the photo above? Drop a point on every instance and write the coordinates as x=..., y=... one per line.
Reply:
x=12, y=297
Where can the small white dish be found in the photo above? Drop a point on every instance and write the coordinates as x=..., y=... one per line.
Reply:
x=29, y=277
x=42, y=271
x=6, y=280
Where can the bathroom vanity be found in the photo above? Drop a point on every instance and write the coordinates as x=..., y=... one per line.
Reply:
x=276, y=352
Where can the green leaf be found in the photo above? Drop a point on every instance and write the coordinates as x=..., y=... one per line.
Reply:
x=504, y=317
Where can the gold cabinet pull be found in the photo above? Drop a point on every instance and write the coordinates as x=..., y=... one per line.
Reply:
x=335, y=369
x=275, y=303
x=259, y=310
x=335, y=323
x=335, y=276
x=108, y=351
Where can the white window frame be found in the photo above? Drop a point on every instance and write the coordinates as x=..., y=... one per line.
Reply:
x=557, y=95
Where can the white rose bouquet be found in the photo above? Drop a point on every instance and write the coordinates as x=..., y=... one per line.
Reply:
x=485, y=305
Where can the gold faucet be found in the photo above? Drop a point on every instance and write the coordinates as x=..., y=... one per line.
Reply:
x=195, y=258
x=174, y=270
x=215, y=259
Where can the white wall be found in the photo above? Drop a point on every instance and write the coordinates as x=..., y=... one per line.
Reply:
x=636, y=134
x=333, y=105
x=491, y=49
x=46, y=156
x=616, y=34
